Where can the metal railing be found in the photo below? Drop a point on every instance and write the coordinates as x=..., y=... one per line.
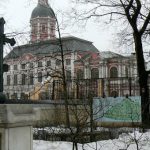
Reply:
x=102, y=87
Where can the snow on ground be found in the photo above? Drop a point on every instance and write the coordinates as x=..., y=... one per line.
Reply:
x=125, y=141
x=48, y=145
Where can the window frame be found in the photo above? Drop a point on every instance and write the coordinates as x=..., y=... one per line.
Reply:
x=23, y=79
x=68, y=62
x=80, y=74
x=23, y=66
x=48, y=63
x=8, y=80
x=15, y=79
x=31, y=79
x=40, y=79
x=15, y=67
x=113, y=72
x=94, y=73
x=58, y=62
x=40, y=64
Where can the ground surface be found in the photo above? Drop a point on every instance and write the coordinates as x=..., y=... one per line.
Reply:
x=125, y=141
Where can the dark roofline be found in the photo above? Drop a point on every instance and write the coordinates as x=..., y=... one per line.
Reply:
x=117, y=55
x=54, y=41
x=75, y=38
x=73, y=43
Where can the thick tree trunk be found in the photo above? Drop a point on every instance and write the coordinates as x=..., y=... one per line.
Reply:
x=143, y=77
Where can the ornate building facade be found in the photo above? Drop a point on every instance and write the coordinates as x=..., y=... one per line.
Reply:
x=34, y=67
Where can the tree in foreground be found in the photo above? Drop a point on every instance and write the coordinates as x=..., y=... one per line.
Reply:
x=134, y=18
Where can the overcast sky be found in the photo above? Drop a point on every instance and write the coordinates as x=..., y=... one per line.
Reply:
x=17, y=16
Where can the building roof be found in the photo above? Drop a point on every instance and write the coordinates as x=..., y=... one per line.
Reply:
x=109, y=54
x=42, y=11
x=70, y=44
x=87, y=55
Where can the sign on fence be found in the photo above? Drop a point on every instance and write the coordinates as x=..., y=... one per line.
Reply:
x=120, y=109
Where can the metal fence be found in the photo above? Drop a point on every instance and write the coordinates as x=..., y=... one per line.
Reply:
x=103, y=87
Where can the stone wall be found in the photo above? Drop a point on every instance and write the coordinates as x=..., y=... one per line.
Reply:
x=55, y=114
x=16, y=126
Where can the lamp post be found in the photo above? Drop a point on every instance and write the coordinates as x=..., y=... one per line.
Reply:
x=3, y=40
x=2, y=22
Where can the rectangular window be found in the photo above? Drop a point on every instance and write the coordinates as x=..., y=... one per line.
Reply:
x=34, y=29
x=23, y=66
x=40, y=64
x=15, y=79
x=58, y=62
x=40, y=77
x=68, y=74
x=24, y=79
x=8, y=79
x=43, y=28
x=22, y=95
x=68, y=61
x=52, y=30
x=31, y=81
x=48, y=63
x=31, y=65
x=8, y=67
x=15, y=67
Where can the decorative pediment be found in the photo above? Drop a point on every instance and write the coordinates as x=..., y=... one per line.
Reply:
x=27, y=57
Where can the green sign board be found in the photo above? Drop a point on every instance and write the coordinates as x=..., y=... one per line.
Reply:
x=120, y=109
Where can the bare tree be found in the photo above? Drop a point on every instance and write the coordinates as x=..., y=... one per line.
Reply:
x=135, y=18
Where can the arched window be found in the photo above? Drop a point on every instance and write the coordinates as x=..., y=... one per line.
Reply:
x=94, y=73
x=80, y=74
x=113, y=72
